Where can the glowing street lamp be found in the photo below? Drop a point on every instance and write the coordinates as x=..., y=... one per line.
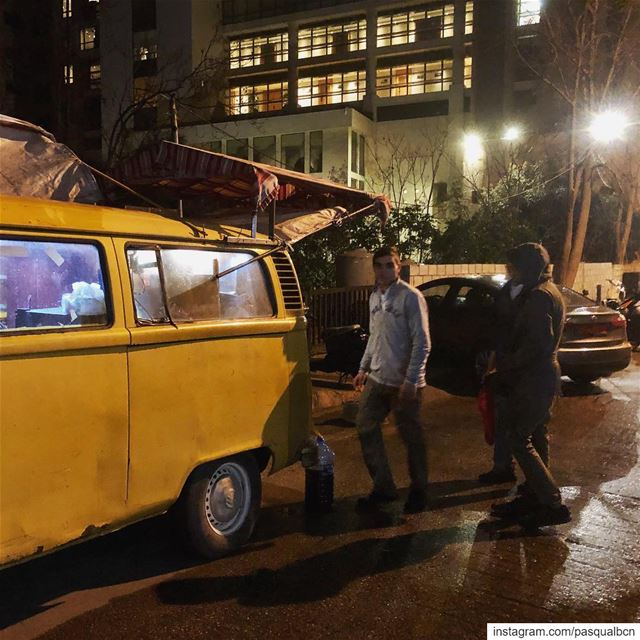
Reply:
x=608, y=126
x=512, y=133
x=473, y=150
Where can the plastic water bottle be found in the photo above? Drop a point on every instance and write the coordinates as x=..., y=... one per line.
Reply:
x=318, y=490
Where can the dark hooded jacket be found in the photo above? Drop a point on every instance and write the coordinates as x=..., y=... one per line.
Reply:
x=527, y=360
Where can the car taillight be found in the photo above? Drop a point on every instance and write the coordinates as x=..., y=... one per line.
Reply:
x=618, y=321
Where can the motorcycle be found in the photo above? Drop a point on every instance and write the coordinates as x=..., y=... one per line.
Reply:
x=345, y=348
x=630, y=309
x=615, y=294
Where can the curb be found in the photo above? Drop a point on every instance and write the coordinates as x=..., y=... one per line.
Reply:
x=330, y=399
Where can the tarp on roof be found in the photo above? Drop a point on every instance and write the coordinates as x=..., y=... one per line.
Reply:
x=33, y=164
x=304, y=204
x=291, y=225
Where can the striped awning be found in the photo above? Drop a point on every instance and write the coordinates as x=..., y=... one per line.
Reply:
x=187, y=172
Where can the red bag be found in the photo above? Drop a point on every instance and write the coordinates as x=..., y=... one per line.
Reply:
x=488, y=413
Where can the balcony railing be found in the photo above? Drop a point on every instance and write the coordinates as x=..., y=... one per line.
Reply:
x=336, y=308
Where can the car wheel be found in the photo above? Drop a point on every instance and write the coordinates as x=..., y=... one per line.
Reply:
x=584, y=379
x=221, y=505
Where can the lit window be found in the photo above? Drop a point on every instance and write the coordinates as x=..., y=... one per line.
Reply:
x=257, y=98
x=468, y=18
x=146, y=52
x=66, y=9
x=334, y=88
x=413, y=79
x=68, y=74
x=95, y=73
x=87, y=38
x=415, y=26
x=257, y=50
x=468, y=70
x=528, y=12
x=330, y=39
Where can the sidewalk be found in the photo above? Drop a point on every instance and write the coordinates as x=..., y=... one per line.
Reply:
x=332, y=399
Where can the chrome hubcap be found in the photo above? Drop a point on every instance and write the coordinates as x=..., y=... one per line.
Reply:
x=227, y=498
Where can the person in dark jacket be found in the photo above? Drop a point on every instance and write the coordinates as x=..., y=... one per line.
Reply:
x=508, y=302
x=528, y=375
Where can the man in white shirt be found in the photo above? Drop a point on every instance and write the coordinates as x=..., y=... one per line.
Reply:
x=392, y=377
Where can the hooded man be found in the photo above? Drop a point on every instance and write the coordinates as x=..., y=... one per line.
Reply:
x=508, y=302
x=528, y=375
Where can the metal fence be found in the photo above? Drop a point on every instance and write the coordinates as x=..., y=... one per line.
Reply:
x=335, y=308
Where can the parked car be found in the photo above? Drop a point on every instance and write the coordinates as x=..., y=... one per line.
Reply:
x=630, y=309
x=462, y=319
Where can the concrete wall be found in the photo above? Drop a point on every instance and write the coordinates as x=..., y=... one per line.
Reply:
x=590, y=274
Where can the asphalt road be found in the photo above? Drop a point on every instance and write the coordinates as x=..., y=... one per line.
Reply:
x=443, y=573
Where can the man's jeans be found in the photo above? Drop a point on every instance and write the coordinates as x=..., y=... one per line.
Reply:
x=526, y=419
x=502, y=456
x=376, y=402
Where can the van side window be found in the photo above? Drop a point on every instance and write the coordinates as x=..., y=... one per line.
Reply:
x=194, y=294
x=146, y=286
x=49, y=285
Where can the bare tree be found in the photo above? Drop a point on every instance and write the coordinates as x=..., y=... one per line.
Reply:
x=621, y=171
x=199, y=86
x=406, y=169
x=590, y=60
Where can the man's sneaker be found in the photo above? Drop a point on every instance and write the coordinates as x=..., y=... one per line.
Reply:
x=374, y=500
x=416, y=501
x=516, y=508
x=497, y=476
x=543, y=516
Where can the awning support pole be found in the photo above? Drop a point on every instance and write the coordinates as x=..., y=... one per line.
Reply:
x=272, y=221
x=173, y=113
x=254, y=223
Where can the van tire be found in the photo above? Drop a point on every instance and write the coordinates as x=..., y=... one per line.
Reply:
x=221, y=505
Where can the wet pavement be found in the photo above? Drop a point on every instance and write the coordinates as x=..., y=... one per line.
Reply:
x=443, y=573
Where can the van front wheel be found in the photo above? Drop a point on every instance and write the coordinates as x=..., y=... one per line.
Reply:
x=222, y=501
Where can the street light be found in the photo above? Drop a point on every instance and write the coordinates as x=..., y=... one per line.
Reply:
x=512, y=133
x=608, y=126
x=473, y=150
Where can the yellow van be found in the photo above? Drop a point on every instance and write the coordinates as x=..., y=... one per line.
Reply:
x=145, y=362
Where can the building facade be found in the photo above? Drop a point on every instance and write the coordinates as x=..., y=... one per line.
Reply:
x=375, y=94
